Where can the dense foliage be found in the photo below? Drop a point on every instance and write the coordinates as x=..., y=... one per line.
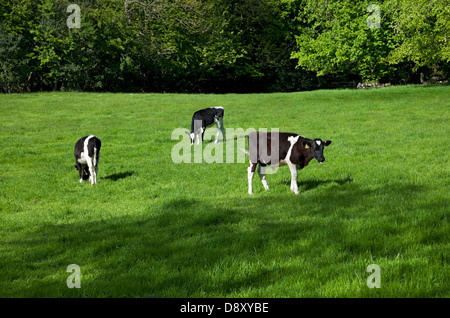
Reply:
x=219, y=45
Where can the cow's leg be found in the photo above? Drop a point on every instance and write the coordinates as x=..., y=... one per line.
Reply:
x=203, y=133
x=217, y=135
x=262, y=176
x=95, y=171
x=96, y=167
x=80, y=171
x=250, y=173
x=91, y=171
x=220, y=129
x=294, y=185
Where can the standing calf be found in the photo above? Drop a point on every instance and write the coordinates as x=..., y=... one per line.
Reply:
x=87, y=153
x=293, y=150
x=204, y=118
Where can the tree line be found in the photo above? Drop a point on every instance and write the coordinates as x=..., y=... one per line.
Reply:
x=218, y=46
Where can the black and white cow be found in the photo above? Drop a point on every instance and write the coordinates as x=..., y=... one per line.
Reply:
x=293, y=150
x=87, y=153
x=204, y=118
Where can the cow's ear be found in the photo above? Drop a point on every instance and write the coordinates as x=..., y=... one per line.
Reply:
x=306, y=145
x=187, y=133
x=327, y=143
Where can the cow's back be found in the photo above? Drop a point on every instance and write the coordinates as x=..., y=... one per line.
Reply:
x=262, y=145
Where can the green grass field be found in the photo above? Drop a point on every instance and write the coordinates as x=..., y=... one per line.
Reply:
x=153, y=228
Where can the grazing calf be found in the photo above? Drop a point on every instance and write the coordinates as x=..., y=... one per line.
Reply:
x=204, y=118
x=87, y=153
x=293, y=150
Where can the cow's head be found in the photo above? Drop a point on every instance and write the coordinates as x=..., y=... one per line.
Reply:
x=316, y=147
x=85, y=172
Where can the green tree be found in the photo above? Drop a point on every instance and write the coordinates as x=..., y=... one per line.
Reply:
x=422, y=32
x=334, y=38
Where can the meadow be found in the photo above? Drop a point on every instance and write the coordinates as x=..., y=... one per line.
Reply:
x=153, y=228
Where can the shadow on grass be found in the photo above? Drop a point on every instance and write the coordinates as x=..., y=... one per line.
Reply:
x=235, y=138
x=118, y=176
x=196, y=247
x=312, y=184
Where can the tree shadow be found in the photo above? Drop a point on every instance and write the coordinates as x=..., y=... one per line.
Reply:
x=312, y=184
x=118, y=176
x=188, y=246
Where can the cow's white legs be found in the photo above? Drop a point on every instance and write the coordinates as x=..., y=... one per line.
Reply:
x=92, y=176
x=262, y=176
x=217, y=136
x=250, y=173
x=95, y=164
x=220, y=129
x=294, y=185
